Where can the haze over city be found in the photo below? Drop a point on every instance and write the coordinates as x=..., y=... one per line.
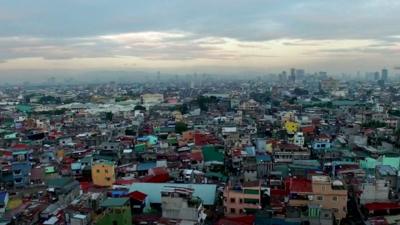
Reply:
x=61, y=38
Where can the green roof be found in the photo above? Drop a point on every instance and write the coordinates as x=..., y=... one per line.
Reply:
x=10, y=136
x=49, y=169
x=114, y=202
x=105, y=162
x=24, y=108
x=220, y=176
x=59, y=182
x=172, y=140
x=346, y=103
x=140, y=147
x=210, y=153
x=24, y=152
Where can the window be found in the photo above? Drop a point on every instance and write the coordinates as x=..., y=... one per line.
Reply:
x=240, y=201
x=232, y=200
x=233, y=210
x=98, y=171
x=106, y=171
x=344, y=209
x=108, y=179
x=336, y=210
x=240, y=211
x=319, y=198
x=322, y=145
x=334, y=198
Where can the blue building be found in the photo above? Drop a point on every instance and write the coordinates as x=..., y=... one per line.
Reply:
x=21, y=173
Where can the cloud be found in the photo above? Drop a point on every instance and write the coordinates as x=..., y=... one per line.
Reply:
x=259, y=33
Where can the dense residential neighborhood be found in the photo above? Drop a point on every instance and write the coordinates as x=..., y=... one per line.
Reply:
x=289, y=149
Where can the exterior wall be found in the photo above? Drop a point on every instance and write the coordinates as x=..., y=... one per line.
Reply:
x=103, y=174
x=329, y=198
x=116, y=215
x=321, y=145
x=291, y=127
x=298, y=139
x=235, y=202
x=178, y=208
x=374, y=192
x=21, y=172
x=264, y=168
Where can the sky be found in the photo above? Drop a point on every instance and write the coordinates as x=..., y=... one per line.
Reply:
x=186, y=36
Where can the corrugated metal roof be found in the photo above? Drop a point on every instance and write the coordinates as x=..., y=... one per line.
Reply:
x=153, y=191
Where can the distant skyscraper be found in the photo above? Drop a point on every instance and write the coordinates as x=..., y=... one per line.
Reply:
x=376, y=75
x=292, y=77
x=385, y=75
x=300, y=74
x=283, y=77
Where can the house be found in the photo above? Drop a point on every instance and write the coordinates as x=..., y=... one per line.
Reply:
x=286, y=153
x=298, y=139
x=291, y=127
x=212, y=156
x=179, y=203
x=321, y=143
x=330, y=195
x=116, y=211
x=320, y=190
x=103, y=173
x=64, y=190
x=138, y=201
x=21, y=173
x=242, y=198
x=206, y=192
x=3, y=201
x=374, y=190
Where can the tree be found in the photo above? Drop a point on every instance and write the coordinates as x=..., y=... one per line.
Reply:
x=139, y=107
x=109, y=116
x=180, y=127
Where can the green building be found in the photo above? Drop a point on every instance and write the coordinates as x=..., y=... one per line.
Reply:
x=117, y=212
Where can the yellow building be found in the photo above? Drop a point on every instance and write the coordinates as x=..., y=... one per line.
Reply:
x=291, y=127
x=103, y=173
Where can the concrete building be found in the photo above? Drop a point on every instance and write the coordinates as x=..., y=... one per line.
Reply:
x=330, y=195
x=103, y=173
x=374, y=191
x=242, y=198
x=180, y=204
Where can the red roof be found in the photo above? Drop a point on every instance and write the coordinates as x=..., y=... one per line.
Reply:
x=85, y=186
x=298, y=185
x=20, y=146
x=159, y=171
x=237, y=152
x=155, y=179
x=197, y=156
x=124, y=182
x=381, y=206
x=239, y=220
x=308, y=130
x=138, y=196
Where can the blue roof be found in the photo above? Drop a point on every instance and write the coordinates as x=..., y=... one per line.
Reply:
x=263, y=158
x=386, y=170
x=205, y=192
x=76, y=166
x=3, y=196
x=250, y=150
x=143, y=139
x=146, y=166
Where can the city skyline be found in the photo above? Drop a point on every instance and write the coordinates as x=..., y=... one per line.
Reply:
x=208, y=36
